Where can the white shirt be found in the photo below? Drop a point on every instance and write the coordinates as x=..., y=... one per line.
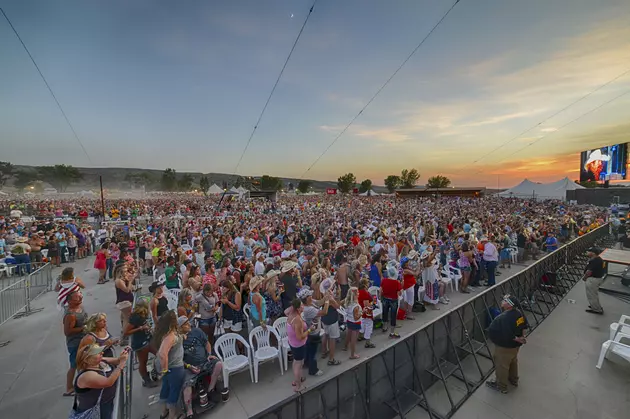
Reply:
x=259, y=268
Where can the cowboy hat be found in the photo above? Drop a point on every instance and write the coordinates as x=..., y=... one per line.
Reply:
x=304, y=293
x=595, y=156
x=271, y=274
x=22, y=239
x=412, y=254
x=255, y=282
x=362, y=260
x=424, y=255
x=340, y=244
x=288, y=265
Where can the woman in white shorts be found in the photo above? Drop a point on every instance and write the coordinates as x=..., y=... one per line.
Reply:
x=231, y=307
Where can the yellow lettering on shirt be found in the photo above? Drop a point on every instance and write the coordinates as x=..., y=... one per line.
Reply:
x=520, y=321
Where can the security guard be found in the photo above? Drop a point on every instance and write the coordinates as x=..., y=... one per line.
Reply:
x=506, y=332
x=594, y=276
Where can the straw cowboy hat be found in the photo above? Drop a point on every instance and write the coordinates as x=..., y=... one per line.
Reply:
x=340, y=244
x=255, y=282
x=425, y=255
x=271, y=274
x=21, y=239
x=362, y=260
x=595, y=156
x=288, y=265
x=412, y=254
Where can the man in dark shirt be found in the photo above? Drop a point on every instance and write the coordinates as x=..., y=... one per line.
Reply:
x=594, y=276
x=198, y=360
x=506, y=332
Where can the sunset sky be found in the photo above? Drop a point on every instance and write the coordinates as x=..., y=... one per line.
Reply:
x=156, y=84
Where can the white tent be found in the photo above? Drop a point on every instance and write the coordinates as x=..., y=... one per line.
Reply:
x=86, y=193
x=234, y=190
x=242, y=190
x=554, y=190
x=214, y=189
x=369, y=193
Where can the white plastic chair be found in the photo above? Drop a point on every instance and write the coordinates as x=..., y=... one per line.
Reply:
x=620, y=346
x=248, y=316
x=281, y=327
x=45, y=253
x=262, y=350
x=227, y=352
x=513, y=254
x=173, y=298
x=456, y=276
x=622, y=326
x=445, y=277
x=4, y=269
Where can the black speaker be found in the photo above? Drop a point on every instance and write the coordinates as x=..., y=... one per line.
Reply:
x=606, y=184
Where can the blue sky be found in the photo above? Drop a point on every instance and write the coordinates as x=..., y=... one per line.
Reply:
x=159, y=84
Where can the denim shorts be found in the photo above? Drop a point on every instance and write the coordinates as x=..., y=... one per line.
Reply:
x=208, y=322
x=72, y=355
x=172, y=383
x=353, y=326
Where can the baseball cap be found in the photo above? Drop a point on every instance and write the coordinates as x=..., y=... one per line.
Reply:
x=181, y=320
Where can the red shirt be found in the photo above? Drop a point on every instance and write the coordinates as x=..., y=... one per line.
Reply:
x=355, y=240
x=409, y=281
x=390, y=288
x=367, y=309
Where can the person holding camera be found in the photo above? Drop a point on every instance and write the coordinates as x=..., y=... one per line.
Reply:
x=95, y=385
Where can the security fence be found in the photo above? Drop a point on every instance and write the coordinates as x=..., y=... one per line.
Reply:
x=18, y=293
x=432, y=372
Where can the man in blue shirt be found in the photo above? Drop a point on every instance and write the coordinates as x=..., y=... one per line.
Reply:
x=551, y=242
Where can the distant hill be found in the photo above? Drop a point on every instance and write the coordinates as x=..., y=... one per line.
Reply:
x=114, y=178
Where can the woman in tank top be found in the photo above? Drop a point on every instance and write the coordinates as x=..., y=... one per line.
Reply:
x=96, y=381
x=97, y=333
x=297, y=334
x=159, y=302
x=353, y=320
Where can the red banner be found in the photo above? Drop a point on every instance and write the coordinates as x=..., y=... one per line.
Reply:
x=355, y=191
x=331, y=191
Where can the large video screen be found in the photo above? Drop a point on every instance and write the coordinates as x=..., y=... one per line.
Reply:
x=605, y=163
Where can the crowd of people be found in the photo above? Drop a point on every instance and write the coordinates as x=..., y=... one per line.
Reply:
x=327, y=263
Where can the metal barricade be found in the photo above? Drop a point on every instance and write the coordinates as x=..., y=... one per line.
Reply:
x=122, y=405
x=432, y=372
x=17, y=293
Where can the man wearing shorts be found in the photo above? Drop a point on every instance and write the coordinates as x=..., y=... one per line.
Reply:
x=330, y=322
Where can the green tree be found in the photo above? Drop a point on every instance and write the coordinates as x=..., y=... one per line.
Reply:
x=409, y=178
x=392, y=182
x=303, y=186
x=185, y=183
x=346, y=182
x=137, y=179
x=169, y=180
x=589, y=184
x=60, y=176
x=6, y=170
x=365, y=186
x=438, y=181
x=270, y=183
x=24, y=178
x=204, y=184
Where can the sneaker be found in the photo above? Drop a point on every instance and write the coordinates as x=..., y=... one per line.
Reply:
x=443, y=300
x=447, y=299
x=319, y=373
x=370, y=345
x=494, y=386
x=514, y=383
x=394, y=336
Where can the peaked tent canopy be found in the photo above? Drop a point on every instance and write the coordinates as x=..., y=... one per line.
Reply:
x=214, y=189
x=554, y=190
x=369, y=193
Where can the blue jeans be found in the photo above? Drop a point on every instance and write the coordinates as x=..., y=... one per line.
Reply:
x=24, y=264
x=310, y=360
x=172, y=383
x=390, y=308
x=491, y=266
x=109, y=266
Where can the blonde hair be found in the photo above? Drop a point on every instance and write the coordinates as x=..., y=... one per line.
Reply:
x=83, y=356
x=141, y=308
x=352, y=297
x=90, y=325
x=182, y=296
